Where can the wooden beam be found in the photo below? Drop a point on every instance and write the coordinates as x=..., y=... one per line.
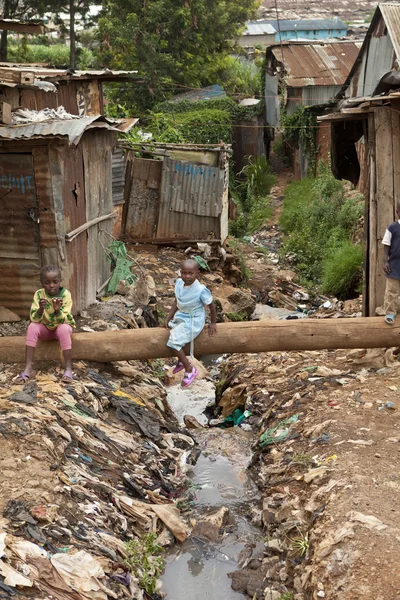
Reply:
x=22, y=26
x=253, y=337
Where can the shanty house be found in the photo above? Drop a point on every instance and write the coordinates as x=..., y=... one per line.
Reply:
x=55, y=178
x=310, y=75
x=307, y=29
x=257, y=33
x=365, y=131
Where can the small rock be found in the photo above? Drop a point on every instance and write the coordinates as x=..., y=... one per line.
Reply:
x=274, y=546
x=270, y=594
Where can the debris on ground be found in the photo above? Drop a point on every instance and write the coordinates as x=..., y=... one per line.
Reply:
x=86, y=468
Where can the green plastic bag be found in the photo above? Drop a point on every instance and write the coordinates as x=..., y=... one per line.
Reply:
x=278, y=433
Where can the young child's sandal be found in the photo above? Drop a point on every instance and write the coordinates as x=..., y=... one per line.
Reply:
x=68, y=377
x=189, y=378
x=389, y=319
x=22, y=378
x=178, y=367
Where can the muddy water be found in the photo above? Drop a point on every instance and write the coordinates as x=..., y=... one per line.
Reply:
x=198, y=569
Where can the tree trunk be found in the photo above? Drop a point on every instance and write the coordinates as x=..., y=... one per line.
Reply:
x=262, y=336
x=72, y=37
x=3, y=37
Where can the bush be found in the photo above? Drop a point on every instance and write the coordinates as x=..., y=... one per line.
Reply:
x=318, y=221
x=252, y=197
x=342, y=271
x=56, y=55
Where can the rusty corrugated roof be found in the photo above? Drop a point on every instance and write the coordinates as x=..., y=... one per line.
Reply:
x=318, y=63
x=10, y=72
x=73, y=129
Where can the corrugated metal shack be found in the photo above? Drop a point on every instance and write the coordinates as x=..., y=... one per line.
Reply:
x=365, y=132
x=306, y=74
x=55, y=177
x=180, y=194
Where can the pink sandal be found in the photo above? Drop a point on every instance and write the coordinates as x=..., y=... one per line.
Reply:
x=178, y=367
x=189, y=378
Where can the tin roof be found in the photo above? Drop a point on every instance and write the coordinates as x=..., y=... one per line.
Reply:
x=32, y=27
x=73, y=129
x=260, y=27
x=17, y=72
x=391, y=13
x=307, y=24
x=207, y=93
x=316, y=63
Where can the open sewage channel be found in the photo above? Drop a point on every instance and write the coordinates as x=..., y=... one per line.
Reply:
x=198, y=569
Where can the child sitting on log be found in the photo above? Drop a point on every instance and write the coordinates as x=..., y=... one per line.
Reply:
x=187, y=317
x=51, y=319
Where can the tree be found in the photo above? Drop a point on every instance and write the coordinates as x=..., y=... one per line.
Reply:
x=171, y=43
x=36, y=9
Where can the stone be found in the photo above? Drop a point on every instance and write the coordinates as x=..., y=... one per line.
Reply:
x=275, y=546
x=240, y=579
x=263, y=312
x=270, y=594
x=241, y=301
x=8, y=316
x=210, y=527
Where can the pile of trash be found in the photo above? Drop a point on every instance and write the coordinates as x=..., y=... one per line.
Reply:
x=313, y=414
x=86, y=469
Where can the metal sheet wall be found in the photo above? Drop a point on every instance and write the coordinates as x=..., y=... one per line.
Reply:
x=19, y=232
x=272, y=113
x=190, y=200
x=118, y=176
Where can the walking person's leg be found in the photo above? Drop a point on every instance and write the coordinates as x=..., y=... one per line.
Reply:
x=391, y=301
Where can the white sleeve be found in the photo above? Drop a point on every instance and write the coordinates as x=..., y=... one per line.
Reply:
x=387, y=238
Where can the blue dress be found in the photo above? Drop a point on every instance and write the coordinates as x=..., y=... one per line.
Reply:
x=190, y=318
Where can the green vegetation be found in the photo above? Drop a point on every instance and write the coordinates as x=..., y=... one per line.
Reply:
x=175, y=46
x=145, y=561
x=237, y=316
x=55, y=55
x=301, y=127
x=251, y=196
x=319, y=221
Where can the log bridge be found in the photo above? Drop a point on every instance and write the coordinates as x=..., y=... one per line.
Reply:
x=247, y=337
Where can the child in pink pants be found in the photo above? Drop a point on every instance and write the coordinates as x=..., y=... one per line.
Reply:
x=51, y=319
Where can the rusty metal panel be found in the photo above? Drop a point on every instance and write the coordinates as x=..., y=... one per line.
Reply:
x=318, y=63
x=38, y=99
x=248, y=140
x=97, y=148
x=19, y=233
x=118, y=176
x=142, y=183
x=191, y=188
x=190, y=201
x=68, y=97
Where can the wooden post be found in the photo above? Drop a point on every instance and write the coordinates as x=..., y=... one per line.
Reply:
x=248, y=337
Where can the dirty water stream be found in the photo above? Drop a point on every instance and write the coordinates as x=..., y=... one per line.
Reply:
x=198, y=569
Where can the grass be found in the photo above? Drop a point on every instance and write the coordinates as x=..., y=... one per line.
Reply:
x=319, y=222
x=237, y=316
x=55, y=55
x=145, y=561
x=301, y=544
x=342, y=271
x=251, y=194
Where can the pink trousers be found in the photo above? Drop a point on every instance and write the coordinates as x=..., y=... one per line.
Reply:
x=38, y=331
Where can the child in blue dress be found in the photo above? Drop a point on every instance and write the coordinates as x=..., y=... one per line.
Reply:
x=187, y=317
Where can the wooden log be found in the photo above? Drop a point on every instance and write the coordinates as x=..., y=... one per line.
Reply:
x=248, y=337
